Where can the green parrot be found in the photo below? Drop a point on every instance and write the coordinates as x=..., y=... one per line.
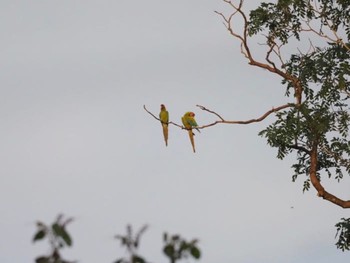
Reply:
x=164, y=119
x=189, y=122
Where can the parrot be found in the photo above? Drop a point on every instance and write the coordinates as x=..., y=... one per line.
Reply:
x=189, y=122
x=164, y=119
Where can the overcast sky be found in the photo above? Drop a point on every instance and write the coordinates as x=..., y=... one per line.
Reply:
x=74, y=138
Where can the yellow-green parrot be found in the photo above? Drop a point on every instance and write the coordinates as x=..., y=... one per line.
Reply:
x=189, y=122
x=164, y=119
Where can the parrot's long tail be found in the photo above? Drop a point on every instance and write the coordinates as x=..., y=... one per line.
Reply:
x=190, y=133
x=165, y=133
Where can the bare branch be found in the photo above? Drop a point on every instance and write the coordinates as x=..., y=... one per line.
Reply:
x=205, y=109
x=144, y=106
x=245, y=49
x=223, y=121
x=264, y=116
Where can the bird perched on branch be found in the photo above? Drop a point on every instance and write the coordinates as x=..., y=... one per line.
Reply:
x=164, y=119
x=189, y=122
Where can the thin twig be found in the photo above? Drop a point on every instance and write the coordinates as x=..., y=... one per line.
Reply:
x=205, y=109
x=247, y=121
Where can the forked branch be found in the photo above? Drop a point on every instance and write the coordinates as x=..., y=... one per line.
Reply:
x=259, y=119
x=245, y=49
x=223, y=121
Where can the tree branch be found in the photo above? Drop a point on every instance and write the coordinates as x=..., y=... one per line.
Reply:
x=298, y=147
x=337, y=39
x=205, y=109
x=245, y=49
x=222, y=121
x=321, y=192
x=261, y=118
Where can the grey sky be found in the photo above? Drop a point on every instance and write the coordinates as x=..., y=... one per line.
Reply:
x=75, y=139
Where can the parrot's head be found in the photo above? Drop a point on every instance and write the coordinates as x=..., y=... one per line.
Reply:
x=192, y=114
x=162, y=106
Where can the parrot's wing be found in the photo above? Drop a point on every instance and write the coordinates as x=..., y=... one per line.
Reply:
x=192, y=122
x=164, y=116
x=184, y=121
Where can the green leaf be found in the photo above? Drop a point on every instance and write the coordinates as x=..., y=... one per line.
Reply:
x=61, y=232
x=42, y=260
x=195, y=252
x=169, y=250
x=184, y=245
x=343, y=234
x=39, y=235
x=137, y=259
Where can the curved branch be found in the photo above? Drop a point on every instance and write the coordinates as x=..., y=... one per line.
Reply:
x=245, y=49
x=261, y=118
x=321, y=192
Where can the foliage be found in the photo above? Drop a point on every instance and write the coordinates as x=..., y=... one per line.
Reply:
x=320, y=124
x=324, y=74
x=177, y=248
x=316, y=126
x=343, y=231
x=131, y=243
x=58, y=238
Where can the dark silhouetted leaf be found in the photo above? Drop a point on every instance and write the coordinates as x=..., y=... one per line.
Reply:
x=137, y=259
x=165, y=237
x=39, y=235
x=42, y=260
x=61, y=232
x=195, y=252
x=169, y=250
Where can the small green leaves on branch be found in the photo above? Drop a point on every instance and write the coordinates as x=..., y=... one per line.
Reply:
x=131, y=242
x=177, y=248
x=57, y=236
x=343, y=234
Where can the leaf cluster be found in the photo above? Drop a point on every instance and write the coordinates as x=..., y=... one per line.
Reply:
x=343, y=234
x=177, y=248
x=323, y=119
x=57, y=236
x=284, y=19
x=280, y=20
x=131, y=243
